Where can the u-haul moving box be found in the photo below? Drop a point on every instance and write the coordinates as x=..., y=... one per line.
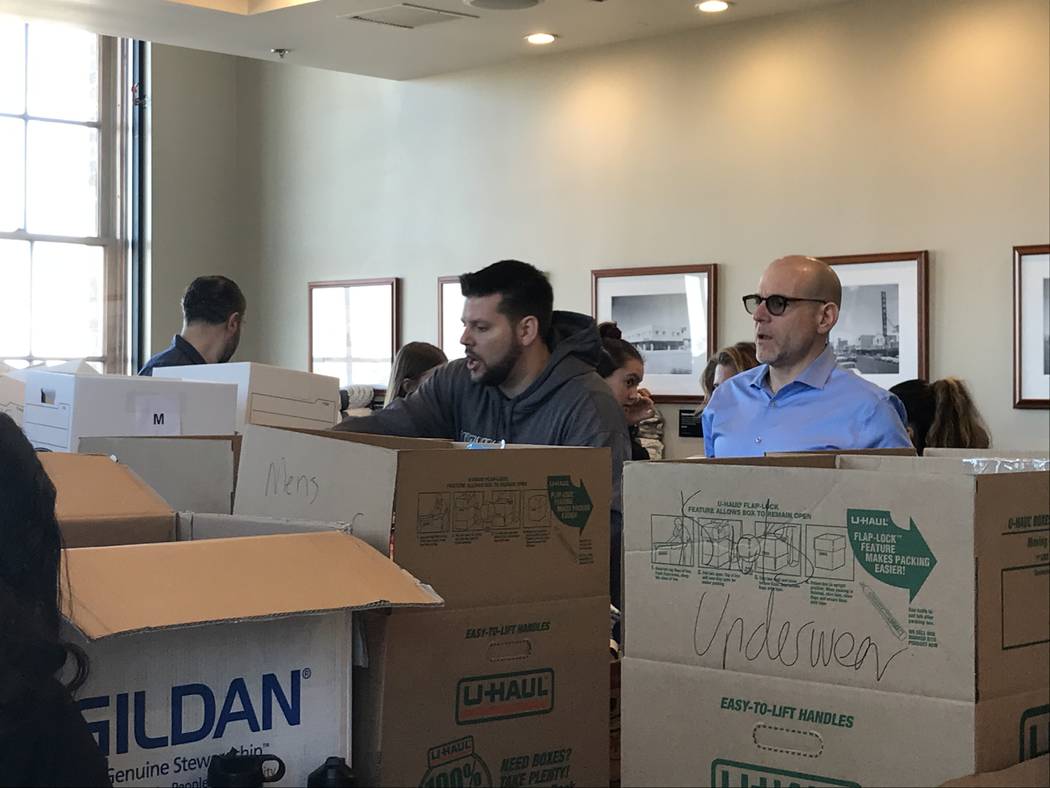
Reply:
x=786, y=664
x=62, y=408
x=200, y=647
x=270, y=396
x=509, y=685
x=101, y=502
x=194, y=473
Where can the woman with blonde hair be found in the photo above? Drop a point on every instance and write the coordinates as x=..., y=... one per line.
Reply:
x=413, y=364
x=942, y=414
x=727, y=362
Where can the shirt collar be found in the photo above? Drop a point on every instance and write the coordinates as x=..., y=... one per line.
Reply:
x=188, y=349
x=816, y=375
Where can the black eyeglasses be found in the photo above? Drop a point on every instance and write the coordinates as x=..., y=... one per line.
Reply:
x=776, y=304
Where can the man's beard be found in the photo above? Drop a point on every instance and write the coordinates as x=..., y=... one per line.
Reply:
x=497, y=373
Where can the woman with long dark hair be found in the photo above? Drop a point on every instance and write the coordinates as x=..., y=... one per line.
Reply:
x=44, y=739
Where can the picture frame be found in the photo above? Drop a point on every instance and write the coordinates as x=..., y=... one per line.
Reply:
x=354, y=329
x=450, y=314
x=1032, y=327
x=669, y=314
x=884, y=323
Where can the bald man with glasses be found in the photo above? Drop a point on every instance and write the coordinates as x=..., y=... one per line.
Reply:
x=799, y=398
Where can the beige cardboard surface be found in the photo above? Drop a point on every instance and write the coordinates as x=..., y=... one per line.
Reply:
x=101, y=502
x=484, y=527
x=62, y=408
x=117, y=590
x=511, y=695
x=12, y=395
x=722, y=571
x=1005, y=453
x=1029, y=774
x=191, y=473
x=699, y=727
x=268, y=395
x=299, y=475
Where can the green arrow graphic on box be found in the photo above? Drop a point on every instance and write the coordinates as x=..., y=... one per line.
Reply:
x=896, y=556
x=570, y=503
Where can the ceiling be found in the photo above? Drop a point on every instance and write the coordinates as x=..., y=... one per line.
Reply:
x=317, y=33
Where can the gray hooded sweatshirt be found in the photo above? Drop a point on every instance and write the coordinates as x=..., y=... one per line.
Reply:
x=567, y=405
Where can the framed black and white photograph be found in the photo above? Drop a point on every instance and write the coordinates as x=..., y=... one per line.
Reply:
x=668, y=313
x=1032, y=326
x=450, y=316
x=883, y=327
x=354, y=330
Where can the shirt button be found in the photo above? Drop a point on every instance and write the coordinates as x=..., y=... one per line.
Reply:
x=758, y=440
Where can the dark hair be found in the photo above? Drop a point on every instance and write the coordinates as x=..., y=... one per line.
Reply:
x=740, y=356
x=31, y=651
x=524, y=291
x=411, y=361
x=617, y=350
x=212, y=299
x=942, y=414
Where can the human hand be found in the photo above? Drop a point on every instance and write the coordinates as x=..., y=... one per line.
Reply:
x=641, y=409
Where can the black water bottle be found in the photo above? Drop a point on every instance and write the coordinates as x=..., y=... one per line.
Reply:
x=333, y=773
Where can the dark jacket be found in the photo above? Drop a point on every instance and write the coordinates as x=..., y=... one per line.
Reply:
x=179, y=353
x=567, y=405
x=50, y=744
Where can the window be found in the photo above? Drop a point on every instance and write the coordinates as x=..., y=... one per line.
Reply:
x=63, y=292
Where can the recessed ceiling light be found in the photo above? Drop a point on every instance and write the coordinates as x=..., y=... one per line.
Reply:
x=541, y=38
x=712, y=6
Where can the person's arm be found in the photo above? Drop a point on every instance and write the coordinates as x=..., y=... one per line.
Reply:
x=707, y=418
x=884, y=427
x=425, y=413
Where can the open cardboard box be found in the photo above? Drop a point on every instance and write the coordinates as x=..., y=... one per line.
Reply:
x=101, y=502
x=200, y=646
x=917, y=654
x=61, y=408
x=509, y=684
x=270, y=396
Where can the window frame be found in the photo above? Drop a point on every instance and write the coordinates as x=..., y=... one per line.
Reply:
x=113, y=188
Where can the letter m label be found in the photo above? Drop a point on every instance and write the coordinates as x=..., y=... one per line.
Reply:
x=158, y=419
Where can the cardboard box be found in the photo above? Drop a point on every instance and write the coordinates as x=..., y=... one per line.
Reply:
x=934, y=553
x=270, y=396
x=1005, y=453
x=12, y=394
x=197, y=647
x=694, y=726
x=191, y=473
x=509, y=684
x=62, y=408
x=101, y=502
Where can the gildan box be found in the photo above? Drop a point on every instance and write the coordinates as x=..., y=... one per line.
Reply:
x=101, y=502
x=694, y=726
x=270, y=396
x=509, y=685
x=192, y=473
x=935, y=554
x=203, y=646
x=62, y=408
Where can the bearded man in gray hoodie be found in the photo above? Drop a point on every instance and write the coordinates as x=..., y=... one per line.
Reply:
x=528, y=377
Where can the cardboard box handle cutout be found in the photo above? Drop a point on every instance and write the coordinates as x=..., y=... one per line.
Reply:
x=509, y=650
x=808, y=744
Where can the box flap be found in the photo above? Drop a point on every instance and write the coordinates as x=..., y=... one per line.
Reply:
x=197, y=526
x=92, y=486
x=120, y=590
x=191, y=473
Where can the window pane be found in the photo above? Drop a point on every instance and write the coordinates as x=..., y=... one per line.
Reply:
x=12, y=174
x=12, y=66
x=68, y=300
x=14, y=284
x=63, y=73
x=62, y=178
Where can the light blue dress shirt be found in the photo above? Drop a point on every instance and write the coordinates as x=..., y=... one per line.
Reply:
x=826, y=407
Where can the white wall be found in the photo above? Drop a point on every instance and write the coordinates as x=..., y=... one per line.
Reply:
x=196, y=190
x=853, y=128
